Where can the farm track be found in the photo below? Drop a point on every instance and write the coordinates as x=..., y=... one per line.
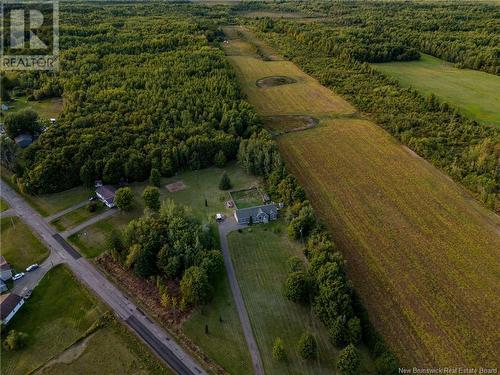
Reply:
x=422, y=254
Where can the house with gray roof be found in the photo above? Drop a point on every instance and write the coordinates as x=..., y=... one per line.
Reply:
x=106, y=195
x=5, y=269
x=24, y=140
x=259, y=214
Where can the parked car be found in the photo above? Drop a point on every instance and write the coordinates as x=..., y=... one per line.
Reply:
x=17, y=276
x=219, y=218
x=32, y=267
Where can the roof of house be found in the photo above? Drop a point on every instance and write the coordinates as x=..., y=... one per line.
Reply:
x=244, y=213
x=107, y=192
x=24, y=140
x=7, y=303
x=4, y=265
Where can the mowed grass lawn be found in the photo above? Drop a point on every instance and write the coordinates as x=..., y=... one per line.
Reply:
x=475, y=93
x=46, y=109
x=19, y=245
x=3, y=205
x=59, y=313
x=421, y=252
x=259, y=255
x=75, y=217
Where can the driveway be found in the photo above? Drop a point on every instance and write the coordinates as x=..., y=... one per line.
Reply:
x=227, y=226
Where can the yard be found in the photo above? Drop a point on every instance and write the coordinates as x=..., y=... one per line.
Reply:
x=58, y=314
x=46, y=109
x=19, y=246
x=247, y=198
x=76, y=217
x=259, y=256
x=3, y=205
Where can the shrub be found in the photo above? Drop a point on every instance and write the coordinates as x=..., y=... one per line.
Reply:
x=279, y=353
x=151, y=196
x=124, y=199
x=220, y=159
x=348, y=361
x=307, y=347
x=225, y=182
x=296, y=288
x=195, y=287
x=155, y=177
x=15, y=340
x=294, y=264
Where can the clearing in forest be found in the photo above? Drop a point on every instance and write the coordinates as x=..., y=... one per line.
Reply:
x=422, y=254
x=475, y=93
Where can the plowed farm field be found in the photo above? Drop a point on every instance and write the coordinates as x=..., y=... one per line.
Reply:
x=423, y=255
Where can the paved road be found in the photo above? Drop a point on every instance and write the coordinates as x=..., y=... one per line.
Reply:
x=227, y=226
x=7, y=213
x=151, y=333
x=89, y=222
x=66, y=211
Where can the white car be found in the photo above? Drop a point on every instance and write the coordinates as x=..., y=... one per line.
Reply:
x=32, y=267
x=17, y=276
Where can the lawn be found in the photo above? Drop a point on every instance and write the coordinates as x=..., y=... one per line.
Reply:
x=3, y=205
x=46, y=109
x=259, y=256
x=19, y=246
x=49, y=204
x=473, y=92
x=247, y=198
x=422, y=254
x=78, y=216
x=53, y=325
x=225, y=342
x=201, y=185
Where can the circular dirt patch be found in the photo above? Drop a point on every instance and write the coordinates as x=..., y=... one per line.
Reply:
x=274, y=81
x=289, y=123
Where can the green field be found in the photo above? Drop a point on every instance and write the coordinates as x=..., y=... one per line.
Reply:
x=78, y=216
x=225, y=342
x=46, y=109
x=19, y=246
x=474, y=93
x=247, y=198
x=56, y=317
x=259, y=256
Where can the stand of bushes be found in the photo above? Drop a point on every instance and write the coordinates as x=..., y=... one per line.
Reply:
x=322, y=283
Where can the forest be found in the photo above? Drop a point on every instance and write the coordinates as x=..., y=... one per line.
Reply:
x=144, y=88
x=460, y=146
x=462, y=33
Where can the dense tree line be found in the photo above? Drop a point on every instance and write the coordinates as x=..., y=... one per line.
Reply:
x=168, y=242
x=464, y=149
x=322, y=283
x=140, y=93
x=465, y=33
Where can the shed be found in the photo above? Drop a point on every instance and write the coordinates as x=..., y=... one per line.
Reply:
x=24, y=140
x=10, y=304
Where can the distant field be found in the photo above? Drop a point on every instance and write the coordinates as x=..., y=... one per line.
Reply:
x=420, y=251
x=59, y=313
x=18, y=244
x=259, y=255
x=475, y=93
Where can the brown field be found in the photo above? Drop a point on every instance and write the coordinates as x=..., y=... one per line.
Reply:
x=423, y=255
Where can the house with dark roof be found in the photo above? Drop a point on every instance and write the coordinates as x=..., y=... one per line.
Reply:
x=9, y=305
x=259, y=214
x=23, y=140
x=5, y=269
x=3, y=286
x=106, y=195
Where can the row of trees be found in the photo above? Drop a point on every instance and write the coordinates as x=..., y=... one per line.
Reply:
x=170, y=243
x=466, y=150
x=323, y=283
x=148, y=93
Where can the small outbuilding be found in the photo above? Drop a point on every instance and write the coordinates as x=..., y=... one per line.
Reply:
x=106, y=195
x=5, y=107
x=5, y=269
x=3, y=286
x=258, y=214
x=24, y=140
x=10, y=304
